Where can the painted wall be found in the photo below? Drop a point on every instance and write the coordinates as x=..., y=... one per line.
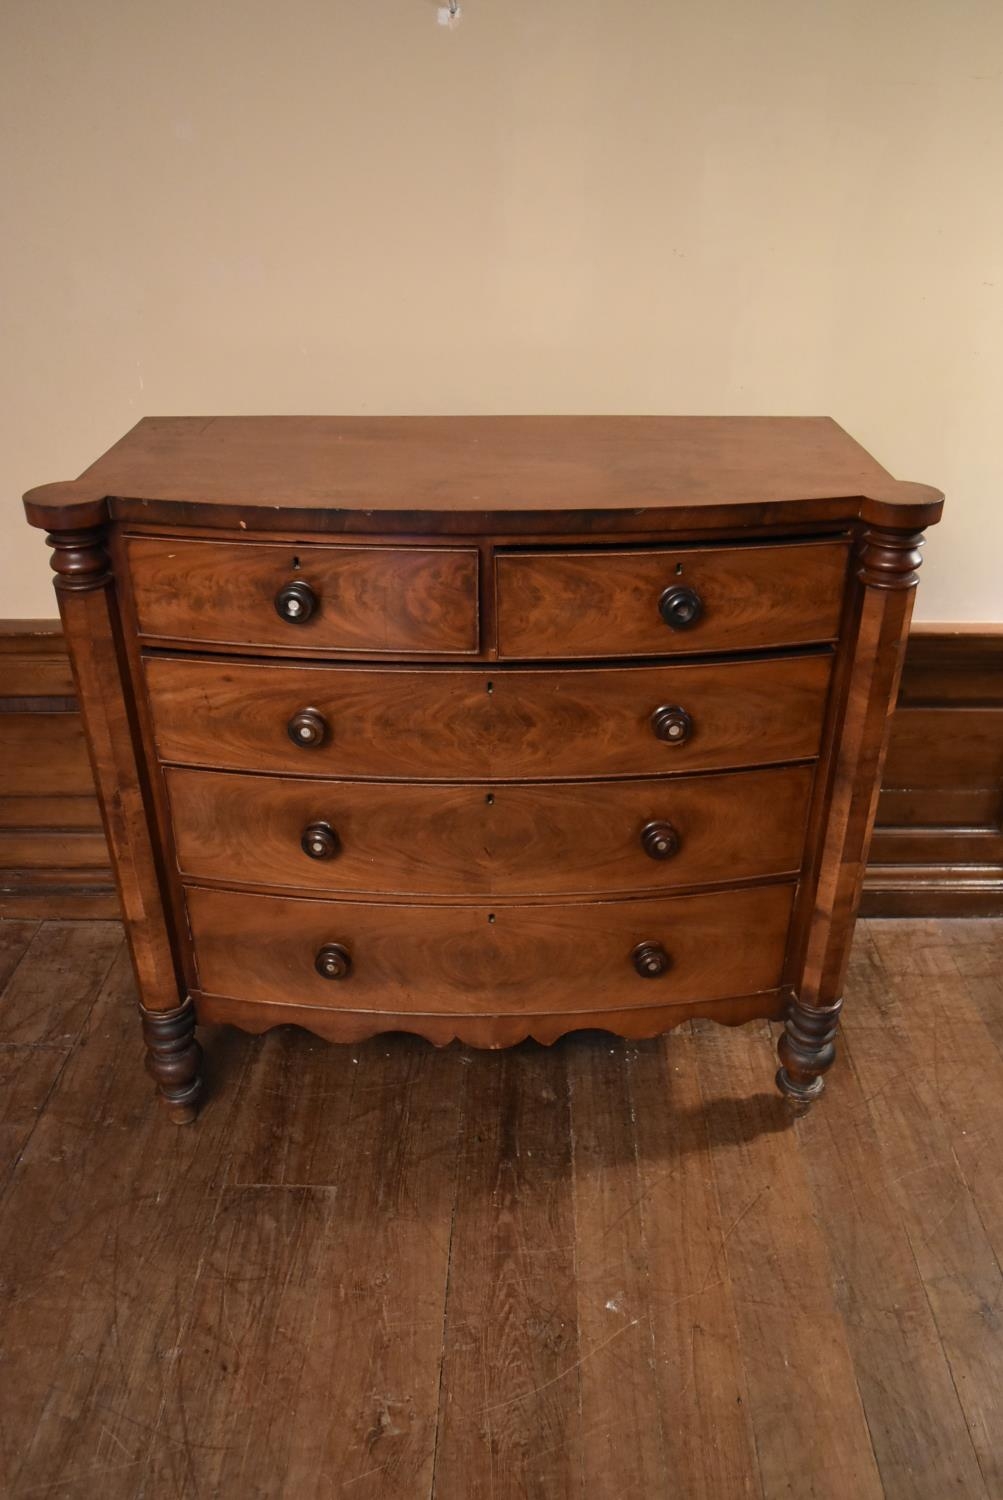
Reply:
x=785, y=206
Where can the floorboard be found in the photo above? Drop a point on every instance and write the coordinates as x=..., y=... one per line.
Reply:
x=623, y=1442
x=602, y=1270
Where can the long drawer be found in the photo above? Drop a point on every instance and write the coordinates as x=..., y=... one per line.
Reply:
x=565, y=839
x=498, y=961
x=454, y=724
x=662, y=601
x=305, y=597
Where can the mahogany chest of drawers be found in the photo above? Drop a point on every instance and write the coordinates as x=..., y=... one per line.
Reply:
x=486, y=727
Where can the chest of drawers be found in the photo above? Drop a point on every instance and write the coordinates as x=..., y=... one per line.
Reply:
x=486, y=728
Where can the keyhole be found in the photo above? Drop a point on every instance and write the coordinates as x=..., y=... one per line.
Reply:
x=296, y=563
x=490, y=687
x=491, y=916
x=490, y=799
x=679, y=569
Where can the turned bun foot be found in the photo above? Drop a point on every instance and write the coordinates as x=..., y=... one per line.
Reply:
x=174, y=1059
x=807, y=1050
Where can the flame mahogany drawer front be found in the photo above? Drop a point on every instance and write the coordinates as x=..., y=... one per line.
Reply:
x=307, y=598
x=506, y=725
x=396, y=838
x=655, y=603
x=504, y=960
x=486, y=728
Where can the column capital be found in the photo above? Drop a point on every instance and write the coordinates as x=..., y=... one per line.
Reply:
x=79, y=560
x=889, y=559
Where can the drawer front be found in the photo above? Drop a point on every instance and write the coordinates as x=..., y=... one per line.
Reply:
x=509, y=960
x=447, y=725
x=402, y=838
x=660, y=602
x=379, y=599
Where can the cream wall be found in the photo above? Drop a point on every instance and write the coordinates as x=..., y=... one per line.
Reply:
x=730, y=206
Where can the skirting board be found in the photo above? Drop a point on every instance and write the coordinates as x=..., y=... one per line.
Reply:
x=938, y=845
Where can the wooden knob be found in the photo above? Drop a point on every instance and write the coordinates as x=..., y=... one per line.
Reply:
x=307, y=728
x=680, y=607
x=333, y=961
x=659, y=840
x=296, y=602
x=320, y=841
x=651, y=960
x=673, y=725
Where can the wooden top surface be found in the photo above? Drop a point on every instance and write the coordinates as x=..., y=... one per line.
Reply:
x=504, y=466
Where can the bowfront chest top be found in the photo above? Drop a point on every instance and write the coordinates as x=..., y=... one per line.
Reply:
x=486, y=727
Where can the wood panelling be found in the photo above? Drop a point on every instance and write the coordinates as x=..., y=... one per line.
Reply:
x=53, y=856
x=938, y=847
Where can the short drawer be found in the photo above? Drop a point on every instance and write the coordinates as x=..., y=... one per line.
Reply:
x=659, y=601
x=464, y=724
x=305, y=598
x=497, y=961
x=567, y=839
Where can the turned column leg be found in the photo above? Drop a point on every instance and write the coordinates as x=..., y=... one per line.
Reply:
x=88, y=605
x=807, y=1049
x=886, y=566
x=174, y=1059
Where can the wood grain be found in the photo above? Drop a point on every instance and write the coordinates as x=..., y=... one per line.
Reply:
x=463, y=841
x=623, y=1443
x=939, y=1136
x=33, y=660
x=352, y=473
x=79, y=849
x=44, y=754
x=390, y=599
x=916, y=1423
x=511, y=1421
x=575, y=604
x=953, y=826
x=261, y=1308
x=509, y=960
x=53, y=854
x=472, y=725
x=699, y=1372
x=88, y=608
x=492, y=1032
x=789, y=1335
x=765, y=706
x=956, y=746
x=938, y=845
x=98, y=1284
x=350, y=1225
x=48, y=998
x=885, y=608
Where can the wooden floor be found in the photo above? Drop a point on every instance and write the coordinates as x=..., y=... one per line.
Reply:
x=599, y=1270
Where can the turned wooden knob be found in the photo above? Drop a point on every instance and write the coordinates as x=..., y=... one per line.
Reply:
x=651, y=960
x=333, y=961
x=659, y=840
x=672, y=724
x=307, y=728
x=296, y=602
x=680, y=607
x=320, y=841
